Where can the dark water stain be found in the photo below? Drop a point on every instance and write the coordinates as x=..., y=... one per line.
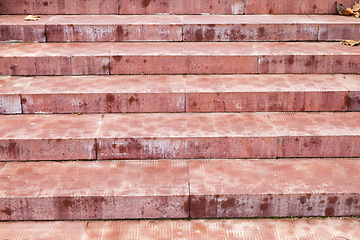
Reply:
x=109, y=98
x=199, y=35
x=146, y=3
x=7, y=211
x=333, y=200
x=329, y=211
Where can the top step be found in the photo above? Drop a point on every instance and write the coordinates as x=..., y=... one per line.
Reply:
x=169, y=6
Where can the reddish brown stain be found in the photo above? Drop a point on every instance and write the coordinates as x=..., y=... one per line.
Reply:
x=117, y=58
x=309, y=208
x=271, y=11
x=315, y=6
x=45, y=3
x=109, y=98
x=329, y=211
x=7, y=211
x=290, y=60
x=305, y=144
x=303, y=199
x=211, y=25
x=349, y=201
x=210, y=35
x=296, y=139
x=194, y=104
x=264, y=207
x=198, y=206
x=133, y=99
x=322, y=202
x=266, y=199
x=333, y=200
x=119, y=33
x=229, y=203
x=106, y=67
x=310, y=62
x=146, y=3
x=198, y=35
x=13, y=69
x=23, y=100
x=98, y=199
x=145, y=61
x=14, y=150
x=261, y=32
x=68, y=203
x=186, y=206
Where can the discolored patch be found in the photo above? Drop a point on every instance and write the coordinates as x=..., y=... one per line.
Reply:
x=146, y=3
x=7, y=211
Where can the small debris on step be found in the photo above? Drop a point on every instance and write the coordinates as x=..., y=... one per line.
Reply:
x=350, y=11
x=351, y=43
x=339, y=8
x=31, y=18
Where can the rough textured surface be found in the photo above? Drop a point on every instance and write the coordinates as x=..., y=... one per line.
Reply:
x=94, y=190
x=113, y=28
x=293, y=7
x=48, y=137
x=268, y=188
x=179, y=135
x=175, y=93
x=249, y=28
x=161, y=189
x=43, y=230
x=199, y=28
x=176, y=58
x=262, y=229
x=153, y=136
x=182, y=7
x=59, y=7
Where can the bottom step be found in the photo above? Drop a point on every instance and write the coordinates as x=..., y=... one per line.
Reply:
x=179, y=189
x=250, y=229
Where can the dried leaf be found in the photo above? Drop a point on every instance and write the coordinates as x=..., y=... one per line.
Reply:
x=356, y=7
x=348, y=12
x=351, y=43
x=357, y=14
x=339, y=8
x=32, y=18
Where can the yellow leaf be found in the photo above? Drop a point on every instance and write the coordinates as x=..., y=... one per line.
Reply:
x=351, y=43
x=32, y=18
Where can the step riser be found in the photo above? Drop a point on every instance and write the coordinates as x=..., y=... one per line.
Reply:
x=169, y=6
x=96, y=65
x=186, y=28
x=180, y=148
x=72, y=208
x=270, y=205
x=177, y=136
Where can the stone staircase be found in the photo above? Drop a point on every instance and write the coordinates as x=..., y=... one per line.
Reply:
x=147, y=109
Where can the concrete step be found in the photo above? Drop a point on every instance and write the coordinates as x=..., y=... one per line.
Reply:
x=89, y=28
x=179, y=189
x=169, y=6
x=261, y=229
x=177, y=58
x=179, y=135
x=179, y=93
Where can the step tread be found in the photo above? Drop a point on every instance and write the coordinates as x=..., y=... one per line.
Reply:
x=176, y=93
x=175, y=49
x=325, y=228
x=162, y=188
x=179, y=135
